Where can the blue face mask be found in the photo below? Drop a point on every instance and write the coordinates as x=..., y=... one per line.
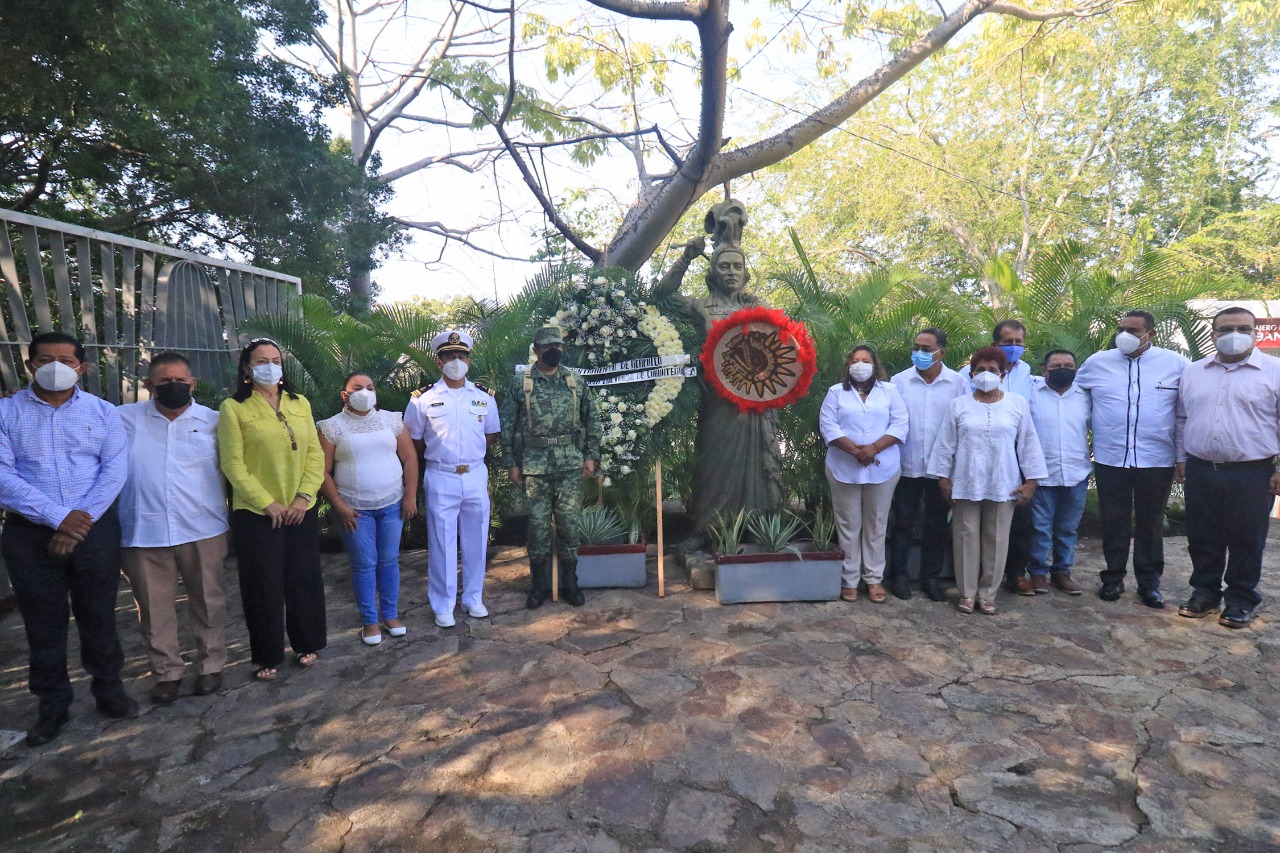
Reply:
x=922, y=360
x=1012, y=352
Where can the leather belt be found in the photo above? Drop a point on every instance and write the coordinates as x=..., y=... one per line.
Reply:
x=1249, y=465
x=452, y=469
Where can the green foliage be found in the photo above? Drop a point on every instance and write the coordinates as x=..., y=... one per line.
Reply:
x=161, y=119
x=600, y=526
x=726, y=532
x=774, y=531
x=822, y=527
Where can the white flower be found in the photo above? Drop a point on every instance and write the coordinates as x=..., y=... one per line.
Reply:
x=615, y=433
x=600, y=281
x=631, y=435
x=624, y=470
x=615, y=418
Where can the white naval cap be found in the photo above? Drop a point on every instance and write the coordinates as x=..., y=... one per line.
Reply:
x=452, y=340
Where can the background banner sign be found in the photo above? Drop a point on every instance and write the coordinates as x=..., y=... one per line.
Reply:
x=1268, y=336
x=645, y=375
x=634, y=364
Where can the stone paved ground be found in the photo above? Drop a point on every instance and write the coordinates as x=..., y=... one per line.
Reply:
x=639, y=723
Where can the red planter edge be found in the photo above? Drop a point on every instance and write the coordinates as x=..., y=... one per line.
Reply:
x=605, y=550
x=778, y=557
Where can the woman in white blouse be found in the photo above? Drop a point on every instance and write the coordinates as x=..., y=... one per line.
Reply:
x=987, y=458
x=371, y=479
x=863, y=420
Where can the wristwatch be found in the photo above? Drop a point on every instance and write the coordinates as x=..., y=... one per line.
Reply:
x=306, y=497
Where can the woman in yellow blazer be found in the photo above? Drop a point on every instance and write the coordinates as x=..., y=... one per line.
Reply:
x=269, y=451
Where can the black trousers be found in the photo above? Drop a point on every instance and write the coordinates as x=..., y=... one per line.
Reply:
x=1131, y=502
x=907, y=497
x=281, y=586
x=50, y=590
x=1021, y=533
x=1228, y=513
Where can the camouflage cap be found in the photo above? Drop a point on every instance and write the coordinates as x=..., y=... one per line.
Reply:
x=548, y=335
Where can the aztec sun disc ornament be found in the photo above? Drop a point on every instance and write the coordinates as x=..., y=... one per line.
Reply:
x=759, y=359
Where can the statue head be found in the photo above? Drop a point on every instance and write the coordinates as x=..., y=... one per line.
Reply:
x=728, y=274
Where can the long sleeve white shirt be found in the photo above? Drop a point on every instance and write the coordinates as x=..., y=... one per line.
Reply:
x=987, y=450
x=1134, y=403
x=174, y=493
x=846, y=414
x=927, y=404
x=1062, y=425
x=1230, y=412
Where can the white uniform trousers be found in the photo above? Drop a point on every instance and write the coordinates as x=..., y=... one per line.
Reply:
x=457, y=512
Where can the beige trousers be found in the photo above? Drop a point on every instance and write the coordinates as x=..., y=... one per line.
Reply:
x=980, y=540
x=153, y=573
x=862, y=519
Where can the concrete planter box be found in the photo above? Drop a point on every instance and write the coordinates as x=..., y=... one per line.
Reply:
x=611, y=565
x=782, y=576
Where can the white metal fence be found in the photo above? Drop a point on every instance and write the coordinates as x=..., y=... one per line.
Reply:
x=125, y=299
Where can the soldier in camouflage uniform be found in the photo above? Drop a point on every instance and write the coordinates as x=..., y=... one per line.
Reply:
x=551, y=441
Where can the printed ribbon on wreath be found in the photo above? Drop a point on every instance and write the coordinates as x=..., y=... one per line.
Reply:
x=759, y=359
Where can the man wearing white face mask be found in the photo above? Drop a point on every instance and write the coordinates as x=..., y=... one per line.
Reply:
x=452, y=424
x=1135, y=392
x=1228, y=444
x=63, y=460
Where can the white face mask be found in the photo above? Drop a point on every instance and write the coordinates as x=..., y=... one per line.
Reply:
x=455, y=369
x=986, y=381
x=860, y=371
x=56, y=376
x=362, y=400
x=1234, y=343
x=268, y=374
x=1128, y=342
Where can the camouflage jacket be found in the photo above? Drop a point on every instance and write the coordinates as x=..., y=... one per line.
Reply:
x=555, y=438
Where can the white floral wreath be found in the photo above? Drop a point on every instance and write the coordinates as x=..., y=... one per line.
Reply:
x=601, y=317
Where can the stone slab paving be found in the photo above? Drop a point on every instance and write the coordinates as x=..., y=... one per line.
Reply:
x=648, y=724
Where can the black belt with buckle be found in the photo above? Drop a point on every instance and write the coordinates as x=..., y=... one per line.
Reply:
x=1250, y=465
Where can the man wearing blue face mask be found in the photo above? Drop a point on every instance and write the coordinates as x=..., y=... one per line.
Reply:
x=63, y=459
x=1135, y=390
x=927, y=387
x=1228, y=443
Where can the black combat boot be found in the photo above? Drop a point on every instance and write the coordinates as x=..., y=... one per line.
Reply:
x=539, y=583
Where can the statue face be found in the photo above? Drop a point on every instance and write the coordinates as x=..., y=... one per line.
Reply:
x=731, y=272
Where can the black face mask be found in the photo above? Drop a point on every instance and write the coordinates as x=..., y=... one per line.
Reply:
x=172, y=395
x=551, y=358
x=1061, y=377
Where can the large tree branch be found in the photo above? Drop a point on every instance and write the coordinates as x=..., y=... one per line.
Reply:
x=451, y=158
x=455, y=235
x=652, y=10
x=1084, y=10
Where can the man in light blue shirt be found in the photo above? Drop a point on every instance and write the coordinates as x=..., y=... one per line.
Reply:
x=1061, y=411
x=63, y=460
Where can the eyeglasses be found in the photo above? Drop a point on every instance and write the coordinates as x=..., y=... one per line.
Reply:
x=292, y=440
x=1244, y=330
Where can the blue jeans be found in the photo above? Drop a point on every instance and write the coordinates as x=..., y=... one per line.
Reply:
x=374, y=550
x=1055, y=513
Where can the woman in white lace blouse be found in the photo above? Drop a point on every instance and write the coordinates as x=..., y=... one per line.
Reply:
x=371, y=479
x=986, y=458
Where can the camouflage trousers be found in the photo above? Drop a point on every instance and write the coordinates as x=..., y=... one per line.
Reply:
x=557, y=496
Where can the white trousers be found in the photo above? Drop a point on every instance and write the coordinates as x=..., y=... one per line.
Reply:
x=457, y=507
x=862, y=518
x=980, y=543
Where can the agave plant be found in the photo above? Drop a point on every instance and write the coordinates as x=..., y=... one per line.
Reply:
x=599, y=526
x=774, y=531
x=726, y=532
x=822, y=528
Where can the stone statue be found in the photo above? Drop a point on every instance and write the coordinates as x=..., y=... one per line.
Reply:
x=738, y=459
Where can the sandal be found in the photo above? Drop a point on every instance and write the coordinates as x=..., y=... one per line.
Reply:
x=264, y=673
x=876, y=593
x=849, y=593
x=988, y=608
x=307, y=659
x=965, y=605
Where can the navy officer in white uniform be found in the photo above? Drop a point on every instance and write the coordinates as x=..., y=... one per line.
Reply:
x=452, y=423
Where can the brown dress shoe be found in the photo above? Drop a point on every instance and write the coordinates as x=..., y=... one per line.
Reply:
x=1040, y=584
x=1063, y=582
x=1022, y=586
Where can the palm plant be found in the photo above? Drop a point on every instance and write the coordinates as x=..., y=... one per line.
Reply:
x=600, y=525
x=822, y=527
x=726, y=532
x=1068, y=303
x=774, y=531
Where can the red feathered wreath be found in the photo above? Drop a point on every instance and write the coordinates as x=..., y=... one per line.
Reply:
x=759, y=359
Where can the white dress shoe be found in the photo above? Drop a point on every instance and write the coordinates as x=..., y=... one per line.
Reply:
x=371, y=641
x=445, y=620
x=476, y=611
x=397, y=632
